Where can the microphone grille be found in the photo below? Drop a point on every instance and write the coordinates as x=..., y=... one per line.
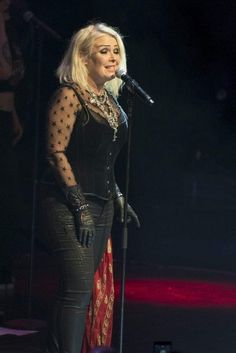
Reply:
x=120, y=72
x=27, y=16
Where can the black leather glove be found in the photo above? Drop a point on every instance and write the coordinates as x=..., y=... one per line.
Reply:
x=84, y=223
x=85, y=227
x=119, y=209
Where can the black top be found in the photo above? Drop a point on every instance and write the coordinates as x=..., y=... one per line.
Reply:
x=80, y=144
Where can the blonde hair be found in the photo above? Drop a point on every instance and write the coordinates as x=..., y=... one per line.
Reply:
x=72, y=67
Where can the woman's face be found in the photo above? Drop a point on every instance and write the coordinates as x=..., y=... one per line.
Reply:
x=104, y=60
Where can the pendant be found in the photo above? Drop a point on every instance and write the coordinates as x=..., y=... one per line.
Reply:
x=114, y=135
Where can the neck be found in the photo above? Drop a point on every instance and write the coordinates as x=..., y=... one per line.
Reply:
x=96, y=88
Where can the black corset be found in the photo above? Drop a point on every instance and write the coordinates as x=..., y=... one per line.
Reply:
x=92, y=152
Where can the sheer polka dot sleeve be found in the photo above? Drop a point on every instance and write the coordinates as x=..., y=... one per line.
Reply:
x=61, y=118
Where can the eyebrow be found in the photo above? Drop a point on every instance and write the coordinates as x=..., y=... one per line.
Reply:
x=106, y=45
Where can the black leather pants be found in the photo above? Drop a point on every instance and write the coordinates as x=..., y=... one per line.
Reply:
x=77, y=266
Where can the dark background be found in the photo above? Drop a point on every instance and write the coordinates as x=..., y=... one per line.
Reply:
x=183, y=163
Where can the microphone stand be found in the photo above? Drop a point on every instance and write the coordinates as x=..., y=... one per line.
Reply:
x=130, y=102
x=132, y=90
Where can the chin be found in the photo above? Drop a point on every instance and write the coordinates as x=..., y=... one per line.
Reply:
x=111, y=77
x=108, y=78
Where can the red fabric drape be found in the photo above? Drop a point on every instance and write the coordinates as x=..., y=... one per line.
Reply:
x=98, y=331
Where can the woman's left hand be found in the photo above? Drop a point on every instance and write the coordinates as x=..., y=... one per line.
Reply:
x=119, y=209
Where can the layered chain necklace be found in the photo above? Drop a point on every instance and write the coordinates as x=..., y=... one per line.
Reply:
x=103, y=103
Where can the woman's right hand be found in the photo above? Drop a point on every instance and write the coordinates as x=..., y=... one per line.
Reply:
x=85, y=228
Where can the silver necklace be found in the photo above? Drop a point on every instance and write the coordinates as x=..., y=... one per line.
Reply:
x=103, y=103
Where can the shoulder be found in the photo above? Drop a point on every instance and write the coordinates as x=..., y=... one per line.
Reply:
x=64, y=91
x=65, y=94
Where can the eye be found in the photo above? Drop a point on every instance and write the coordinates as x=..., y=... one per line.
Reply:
x=116, y=51
x=103, y=51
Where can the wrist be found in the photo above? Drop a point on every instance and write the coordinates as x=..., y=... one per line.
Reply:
x=75, y=198
x=81, y=208
x=118, y=193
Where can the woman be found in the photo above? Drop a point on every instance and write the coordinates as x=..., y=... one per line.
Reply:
x=11, y=72
x=85, y=131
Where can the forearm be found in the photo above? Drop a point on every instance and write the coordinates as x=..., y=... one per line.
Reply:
x=61, y=120
x=62, y=169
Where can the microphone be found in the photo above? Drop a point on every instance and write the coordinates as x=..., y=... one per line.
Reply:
x=29, y=17
x=133, y=86
x=20, y=9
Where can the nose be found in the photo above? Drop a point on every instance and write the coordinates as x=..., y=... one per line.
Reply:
x=112, y=57
x=112, y=60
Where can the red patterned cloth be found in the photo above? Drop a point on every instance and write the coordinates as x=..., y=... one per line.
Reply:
x=98, y=331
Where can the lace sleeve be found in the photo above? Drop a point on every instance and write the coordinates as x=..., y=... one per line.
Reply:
x=61, y=118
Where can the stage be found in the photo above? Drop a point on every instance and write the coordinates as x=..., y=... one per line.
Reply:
x=195, y=309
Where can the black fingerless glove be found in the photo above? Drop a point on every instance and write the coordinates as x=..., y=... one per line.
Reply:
x=85, y=228
x=119, y=203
